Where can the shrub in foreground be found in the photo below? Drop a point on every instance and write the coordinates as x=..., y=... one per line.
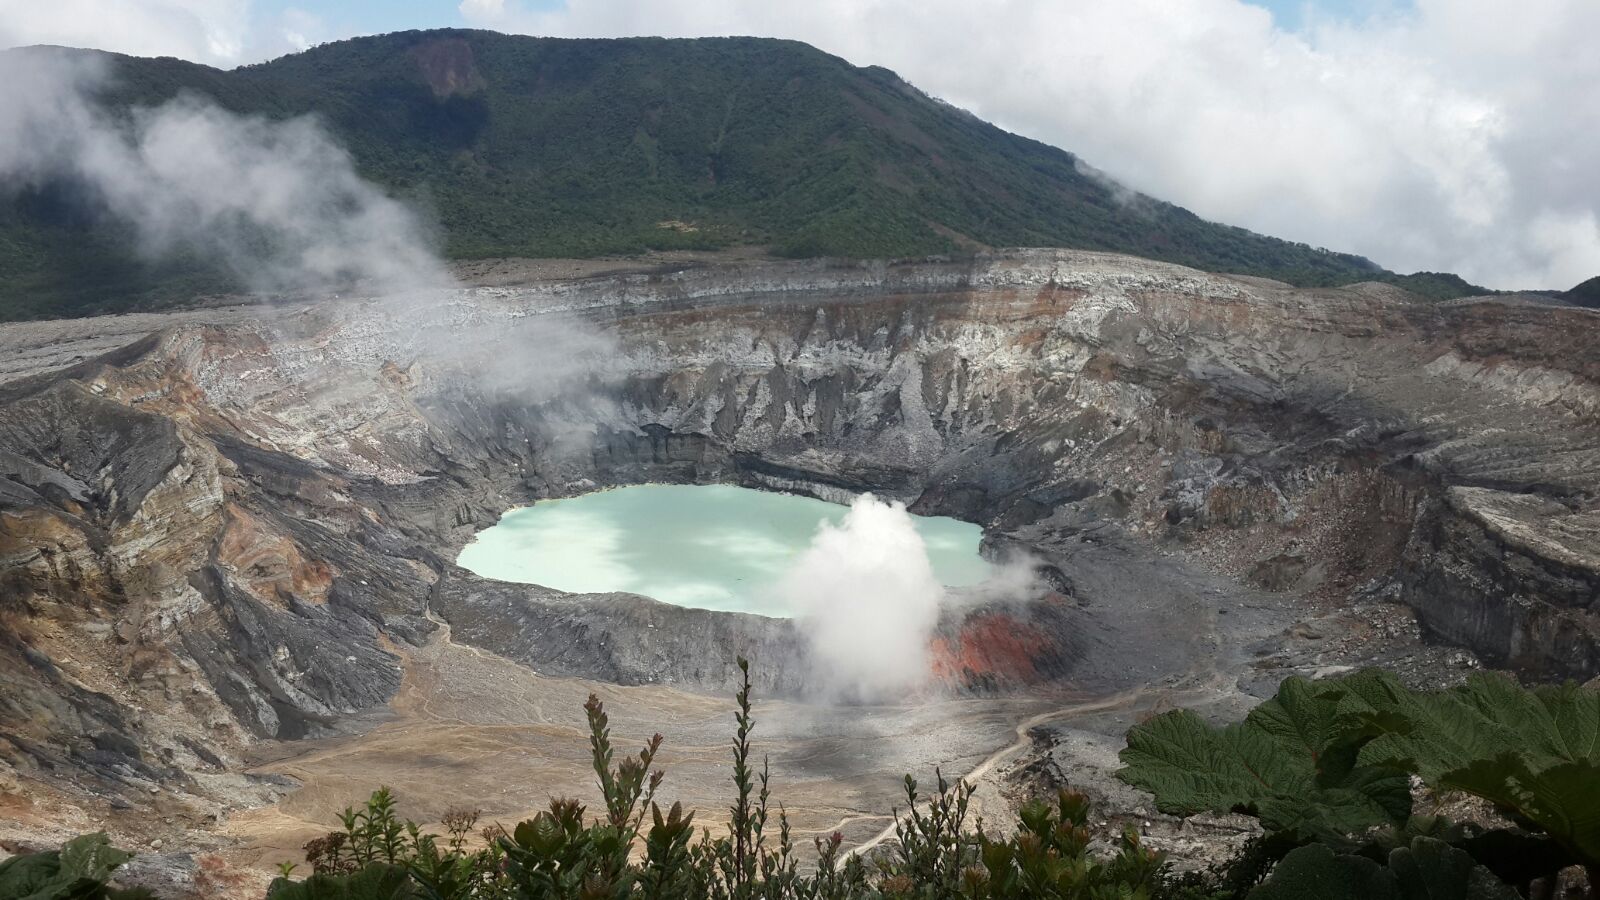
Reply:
x=1327, y=768
x=635, y=848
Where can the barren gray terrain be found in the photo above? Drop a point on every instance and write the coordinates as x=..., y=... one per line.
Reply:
x=226, y=535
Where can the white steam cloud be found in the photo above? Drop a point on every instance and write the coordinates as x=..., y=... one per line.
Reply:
x=278, y=203
x=1013, y=579
x=867, y=601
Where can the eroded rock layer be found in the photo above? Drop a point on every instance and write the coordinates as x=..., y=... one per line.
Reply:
x=233, y=529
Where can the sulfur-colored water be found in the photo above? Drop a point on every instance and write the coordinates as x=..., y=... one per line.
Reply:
x=705, y=546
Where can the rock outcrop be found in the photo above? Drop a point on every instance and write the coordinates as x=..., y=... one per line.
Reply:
x=231, y=530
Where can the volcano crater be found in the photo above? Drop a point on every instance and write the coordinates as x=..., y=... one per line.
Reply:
x=238, y=532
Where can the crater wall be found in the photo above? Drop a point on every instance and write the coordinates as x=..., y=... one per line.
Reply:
x=233, y=529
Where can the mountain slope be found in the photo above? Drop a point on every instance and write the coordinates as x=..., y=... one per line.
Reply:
x=522, y=146
x=1586, y=294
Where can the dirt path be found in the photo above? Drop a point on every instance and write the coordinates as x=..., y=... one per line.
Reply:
x=1104, y=704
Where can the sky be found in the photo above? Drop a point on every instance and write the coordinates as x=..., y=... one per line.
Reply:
x=1438, y=135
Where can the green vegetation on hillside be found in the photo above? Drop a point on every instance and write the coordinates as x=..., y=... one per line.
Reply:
x=1435, y=285
x=542, y=147
x=1326, y=768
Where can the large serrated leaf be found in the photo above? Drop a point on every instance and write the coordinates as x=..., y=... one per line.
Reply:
x=1192, y=767
x=1533, y=753
x=1564, y=800
x=78, y=871
x=1292, y=762
x=1426, y=869
x=91, y=856
x=1575, y=720
x=1315, y=872
x=1489, y=716
x=1433, y=870
x=1298, y=717
x=27, y=875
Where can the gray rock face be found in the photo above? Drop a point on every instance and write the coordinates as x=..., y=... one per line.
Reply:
x=232, y=529
x=621, y=638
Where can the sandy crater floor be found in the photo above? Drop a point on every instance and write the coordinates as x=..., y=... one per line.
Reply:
x=473, y=729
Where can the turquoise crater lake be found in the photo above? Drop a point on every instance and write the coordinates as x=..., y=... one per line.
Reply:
x=705, y=546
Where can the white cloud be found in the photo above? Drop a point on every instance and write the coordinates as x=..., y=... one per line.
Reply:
x=208, y=31
x=1462, y=135
x=299, y=29
x=480, y=9
x=223, y=33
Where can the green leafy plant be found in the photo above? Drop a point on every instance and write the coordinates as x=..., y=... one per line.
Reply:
x=1423, y=870
x=80, y=870
x=1051, y=858
x=376, y=842
x=1533, y=753
x=633, y=848
x=1294, y=763
x=1327, y=765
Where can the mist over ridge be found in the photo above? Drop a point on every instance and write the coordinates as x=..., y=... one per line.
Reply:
x=277, y=204
x=512, y=146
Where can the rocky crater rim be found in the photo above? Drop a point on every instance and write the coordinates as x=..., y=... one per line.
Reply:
x=242, y=528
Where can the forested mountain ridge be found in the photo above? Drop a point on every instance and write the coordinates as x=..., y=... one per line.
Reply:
x=543, y=147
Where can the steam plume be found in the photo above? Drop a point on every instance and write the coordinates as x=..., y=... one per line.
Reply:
x=278, y=203
x=867, y=600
